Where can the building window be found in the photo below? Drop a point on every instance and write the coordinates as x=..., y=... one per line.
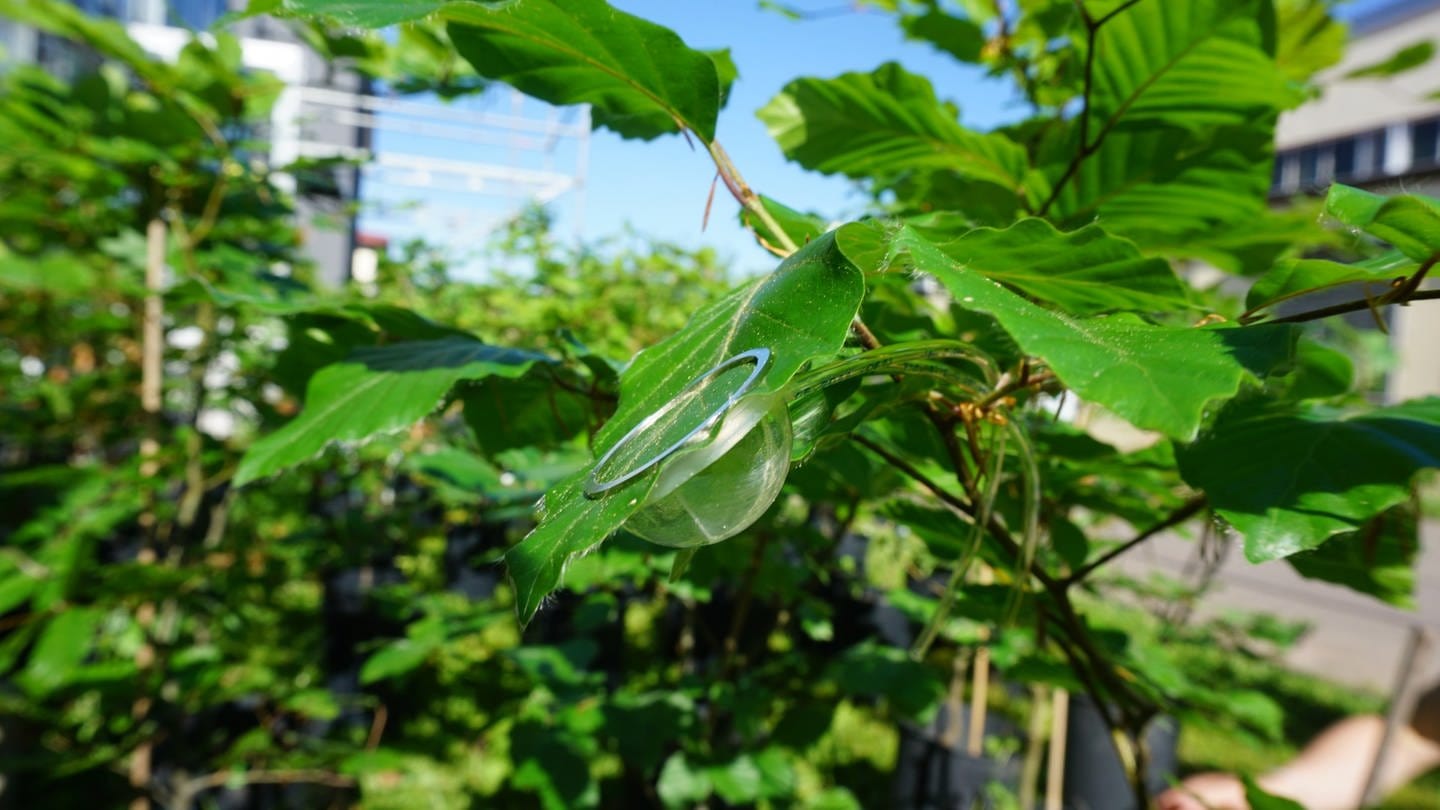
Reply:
x=1345, y=158
x=1310, y=166
x=1424, y=140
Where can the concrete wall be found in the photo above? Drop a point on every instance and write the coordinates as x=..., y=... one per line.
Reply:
x=1357, y=105
x=1354, y=639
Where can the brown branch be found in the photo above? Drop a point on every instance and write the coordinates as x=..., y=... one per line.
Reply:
x=1011, y=386
x=747, y=198
x=1186, y=511
x=1352, y=306
x=864, y=335
x=1062, y=611
x=1086, y=147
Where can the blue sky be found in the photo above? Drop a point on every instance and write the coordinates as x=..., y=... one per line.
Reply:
x=659, y=188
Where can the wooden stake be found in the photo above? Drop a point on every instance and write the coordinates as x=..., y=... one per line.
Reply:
x=1034, y=745
x=979, y=684
x=152, y=343
x=1059, y=727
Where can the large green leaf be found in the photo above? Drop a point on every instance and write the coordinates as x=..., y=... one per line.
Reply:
x=1410, y=222
x=800, y=312
x=1084, y=272
x=1158, y=378
x=1192, y=65
x=1307, y=38
x=961, y=38
x=883, y=125
x=1166, y=188
x=530, y=411
x=1294, y=277
x=1378, y=560
x=377, y=390
x=1338, y=471
x=640, y=78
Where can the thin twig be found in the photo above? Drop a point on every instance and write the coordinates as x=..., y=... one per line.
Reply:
x=1086, y=146
x=1011, y=386
x=1405, y=289
x=1351, y=306
x=1063, y=612
x=1186, y=511
x=747, y=198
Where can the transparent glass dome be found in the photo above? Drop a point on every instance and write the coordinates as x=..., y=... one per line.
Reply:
x=722, y=457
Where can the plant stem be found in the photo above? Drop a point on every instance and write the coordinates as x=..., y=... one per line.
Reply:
x=1086, y=146
x=1352, y=306
x=1060, y=608
x=1186, y=511
x=747, y=198
x=152, y=343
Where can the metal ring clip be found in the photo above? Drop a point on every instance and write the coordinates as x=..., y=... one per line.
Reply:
x=761, y=359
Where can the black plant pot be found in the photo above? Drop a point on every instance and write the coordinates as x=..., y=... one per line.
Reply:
x=929, y=775
x=1094, y=776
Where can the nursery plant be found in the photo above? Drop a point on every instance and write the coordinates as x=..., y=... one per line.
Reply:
x=769, y=536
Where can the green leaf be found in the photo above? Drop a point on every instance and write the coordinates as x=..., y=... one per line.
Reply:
x=871, y=670
x=882, y=125
x=1308, y=39
x=1343, y=470
x=641, y=79
x=1190, y=65
x=459, y=469
x=1378, y=560
x=800, y=312
x=62, y=647
x=1320, y=372
x=364, y=13
x=959, y=37
x=799, y=226
x=1409, y=222
x=1405, y=59
x=1084, y=272
x=317, y=703
x=59, y=273
x=737, y=781
x=531, y=411
x=726, y=72
x=681, y=784
x=1295, y=277
x=396, y=659
x=645, y=725
x=378, y=390
x=1165, y=188
x=1158, y=378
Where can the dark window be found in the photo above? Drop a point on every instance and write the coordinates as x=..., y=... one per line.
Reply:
x=1309, y=166
x=1345, y=158
x=1423, y=136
